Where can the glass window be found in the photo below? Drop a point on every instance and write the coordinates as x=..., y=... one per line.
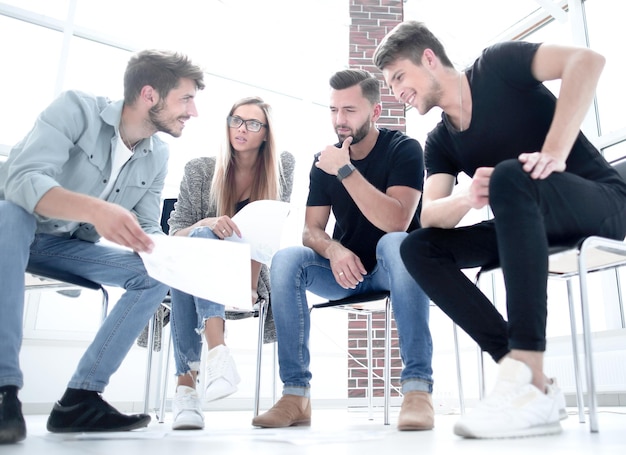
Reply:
x=615, y=152
x=606, y=34
x=56, y=9
x=29, y=73
x=465, y=28
x=95, y=68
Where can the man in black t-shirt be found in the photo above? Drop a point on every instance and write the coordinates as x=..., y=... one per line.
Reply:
x=544, y=181
x=371, y=181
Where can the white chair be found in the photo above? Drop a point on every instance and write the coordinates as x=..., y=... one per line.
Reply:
x=166, y=351
x=591, y=254
x=368, y=304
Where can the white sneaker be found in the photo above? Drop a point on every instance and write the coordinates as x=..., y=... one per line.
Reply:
x=221, y=374
x=187, y=411
x=559, y=396
x=515, y=408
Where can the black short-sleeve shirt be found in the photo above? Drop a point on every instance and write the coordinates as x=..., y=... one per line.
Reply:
x=396, y=159
x=511, y=114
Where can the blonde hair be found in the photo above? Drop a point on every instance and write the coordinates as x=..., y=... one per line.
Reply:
x=266, y=183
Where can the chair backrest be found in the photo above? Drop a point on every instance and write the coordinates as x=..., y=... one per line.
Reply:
x=620, y=167
x=168, y=206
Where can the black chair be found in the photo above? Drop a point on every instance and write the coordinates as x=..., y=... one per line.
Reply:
x=52, y=279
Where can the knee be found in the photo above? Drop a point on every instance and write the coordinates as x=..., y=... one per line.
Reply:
x=507, y=180
x=414, y=248
x=389, y=244
x=285, y=263
x=203, y=232
x=12, y=215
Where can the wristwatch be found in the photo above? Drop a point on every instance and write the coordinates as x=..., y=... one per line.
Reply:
x=345, y=171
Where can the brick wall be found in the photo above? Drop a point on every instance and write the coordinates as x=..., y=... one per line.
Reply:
x=370, y=22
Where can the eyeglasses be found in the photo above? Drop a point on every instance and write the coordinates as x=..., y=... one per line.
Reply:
x=251, y=125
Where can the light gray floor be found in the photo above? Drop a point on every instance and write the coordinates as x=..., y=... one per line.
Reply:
x=332, y=432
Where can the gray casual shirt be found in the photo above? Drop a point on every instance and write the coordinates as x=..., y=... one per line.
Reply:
x=70, y=146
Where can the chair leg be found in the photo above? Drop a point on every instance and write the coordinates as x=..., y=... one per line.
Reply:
x=166, y=377
x=457, y=358
x=274, y=370
x=481, y=373
x=105, y=304
x=259, y=352
x=370, y=369
x=584, y=304
x=619, y=298
x=577, y=376
x=387, y=366
x=146, y=400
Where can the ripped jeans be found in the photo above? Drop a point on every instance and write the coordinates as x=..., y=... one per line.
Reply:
x=188, y=318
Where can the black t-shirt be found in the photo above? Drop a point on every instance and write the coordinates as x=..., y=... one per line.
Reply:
x=396, y=159
x=511, y=114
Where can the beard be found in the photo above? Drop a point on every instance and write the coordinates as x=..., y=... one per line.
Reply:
x=160, y=122
x=359, y=134
x=433, y=98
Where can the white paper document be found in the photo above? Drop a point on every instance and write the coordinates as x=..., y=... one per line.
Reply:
x=261, y=225
x=219, y=270
x=211, y=269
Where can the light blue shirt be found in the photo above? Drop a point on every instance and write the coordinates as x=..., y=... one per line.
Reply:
x=71, y=146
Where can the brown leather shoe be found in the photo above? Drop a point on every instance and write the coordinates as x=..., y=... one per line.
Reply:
x=416, y=412
x=289, y=411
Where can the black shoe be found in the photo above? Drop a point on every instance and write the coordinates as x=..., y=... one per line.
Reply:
x=12, y=425
x=92, y=414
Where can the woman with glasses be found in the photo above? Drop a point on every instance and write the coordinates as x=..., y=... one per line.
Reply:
x=213, y=189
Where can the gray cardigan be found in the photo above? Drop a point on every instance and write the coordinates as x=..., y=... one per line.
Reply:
x=193, y=200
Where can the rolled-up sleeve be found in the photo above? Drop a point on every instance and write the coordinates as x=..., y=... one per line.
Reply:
x=40, y=157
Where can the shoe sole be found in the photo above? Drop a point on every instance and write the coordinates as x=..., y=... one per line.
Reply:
x=299, y=423
x=12, y=434
x=209, y=398
x=139, y=424
x=187, y=426
x=415, y=427
x=541, y=430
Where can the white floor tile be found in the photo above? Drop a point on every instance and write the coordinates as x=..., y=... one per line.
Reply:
x=332, y=431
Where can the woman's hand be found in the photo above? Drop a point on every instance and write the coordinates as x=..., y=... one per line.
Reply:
x=225, y=227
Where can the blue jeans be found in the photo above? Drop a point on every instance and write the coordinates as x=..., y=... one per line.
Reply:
x=298, y=269
x=107, y=265
x=188, y=317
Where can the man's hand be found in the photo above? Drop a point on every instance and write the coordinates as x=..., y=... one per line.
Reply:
x=115, y=223
x=478, y=194
x=540, y=165
x=331, y=159
x=346, y=266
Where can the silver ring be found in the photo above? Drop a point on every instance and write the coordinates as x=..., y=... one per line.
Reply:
x=340, y=273
x=223, y=231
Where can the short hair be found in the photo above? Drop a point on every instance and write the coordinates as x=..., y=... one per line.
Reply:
x=162, y=70
x=408, y=40
x=370, y=86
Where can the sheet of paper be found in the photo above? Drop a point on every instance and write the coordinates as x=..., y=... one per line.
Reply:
x=211, y=269
x=261, y=225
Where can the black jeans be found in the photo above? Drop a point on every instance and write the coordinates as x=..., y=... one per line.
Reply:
x=529, y=216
